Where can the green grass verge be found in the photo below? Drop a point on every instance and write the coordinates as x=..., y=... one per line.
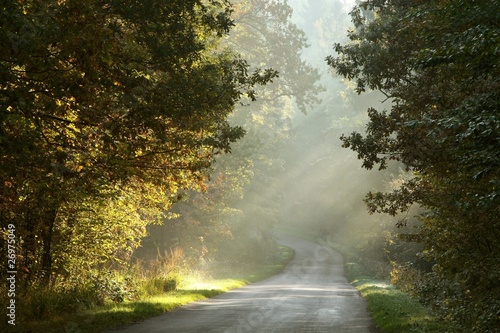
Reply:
x=394, y=311
x=117, y=315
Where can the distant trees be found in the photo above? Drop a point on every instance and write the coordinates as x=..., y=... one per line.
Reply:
x=239, y=206
x=107, y=109
x=437, y=62
x=264, y=33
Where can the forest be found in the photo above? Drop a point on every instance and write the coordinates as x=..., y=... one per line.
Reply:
x=150, y=140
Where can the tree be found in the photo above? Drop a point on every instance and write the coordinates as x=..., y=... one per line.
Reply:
x=236, y=211
x=437, y=64
x=265, y=34
x=107, y=109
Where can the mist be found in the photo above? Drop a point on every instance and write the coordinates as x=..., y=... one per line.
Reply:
x=324, y=184
x=289, y=173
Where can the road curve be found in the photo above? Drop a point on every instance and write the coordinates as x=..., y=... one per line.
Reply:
x=311, y=295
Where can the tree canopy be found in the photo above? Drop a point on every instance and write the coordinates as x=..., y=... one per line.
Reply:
x=437, y=63
x=107, y=109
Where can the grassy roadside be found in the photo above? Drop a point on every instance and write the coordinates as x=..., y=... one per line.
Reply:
x=394, y=311
x=116, y=315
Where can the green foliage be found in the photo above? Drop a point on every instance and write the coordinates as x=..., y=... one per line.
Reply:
x=437, y=63
x=407, y=279
x=158, y=285
x=113, y=287
x=231, y=220
x=107, y=111
x=49, y=310
x=394, y=311
x=265, y=34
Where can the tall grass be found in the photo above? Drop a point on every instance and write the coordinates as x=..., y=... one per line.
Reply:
x=91, y=289
x=117, y=298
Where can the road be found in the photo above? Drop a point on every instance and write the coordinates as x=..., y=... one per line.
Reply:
x=311, y=295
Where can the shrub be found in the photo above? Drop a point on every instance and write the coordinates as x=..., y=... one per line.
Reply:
x=114, y=286
x=161, y=284
x=406, y=278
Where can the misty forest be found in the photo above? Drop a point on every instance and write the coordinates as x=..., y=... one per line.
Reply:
x=146, y=144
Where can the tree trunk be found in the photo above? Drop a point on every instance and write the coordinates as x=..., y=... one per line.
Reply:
x=29, y=251
x=47, y=238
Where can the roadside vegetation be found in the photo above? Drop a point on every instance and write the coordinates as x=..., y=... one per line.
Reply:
x=393, y=310
x=130, y=300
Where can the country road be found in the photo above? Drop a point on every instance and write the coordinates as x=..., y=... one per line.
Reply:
x=311, y=295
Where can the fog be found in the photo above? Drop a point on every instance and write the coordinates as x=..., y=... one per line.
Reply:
x=324, y=184
x=319, y=189
x=289, y=173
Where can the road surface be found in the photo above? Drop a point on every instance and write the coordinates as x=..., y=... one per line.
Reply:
x=311, y=295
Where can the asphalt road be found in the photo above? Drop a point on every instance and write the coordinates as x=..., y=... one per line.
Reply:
x=311, y=295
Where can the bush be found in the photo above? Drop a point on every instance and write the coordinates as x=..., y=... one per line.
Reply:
x=406, y=278
x=161, y=284
x=44, y=303
x=115, y=287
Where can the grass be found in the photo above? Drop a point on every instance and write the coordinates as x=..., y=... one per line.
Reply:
x=115, y=315
x=394, y=311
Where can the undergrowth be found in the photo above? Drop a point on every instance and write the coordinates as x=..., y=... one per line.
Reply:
x=111, y=299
